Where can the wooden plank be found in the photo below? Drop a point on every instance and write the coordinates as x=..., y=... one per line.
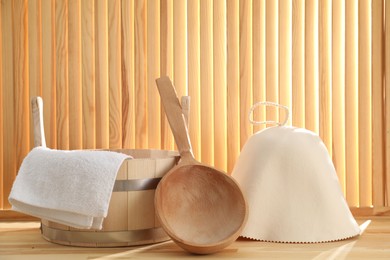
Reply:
x=49, y=72
x=259, y=54
x=88, y=75
x=1, y=114
x=118, y=213
x=378, y=116
x=140, y=75
x=153, y=72
x=101, y=67
x=19, y=100
x=311, y=65
x=246, y=68
x=128, y=69
x=194, y=74
x=325, y=73
x=10, y=215
x=62, y=70
x=364, y=101
x=141, y=203
x=75, y=74
x=338, y=90
x=272, y=58
x=387, y=104
x=298, y=63
x=370, y=211
x=206, y=82
x=114, y=73
x=374, y=243
x=351, y=105
x=9, y=111
x=233, y=83
x=35, y=52
x=220, y=80
x=285, y=55
x=166, y=66
x=21, y=83
x=180, y=47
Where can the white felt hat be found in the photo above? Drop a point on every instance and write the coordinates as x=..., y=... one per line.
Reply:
x=292, y=189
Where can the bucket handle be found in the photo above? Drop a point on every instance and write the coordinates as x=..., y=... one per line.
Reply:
x=271, y=122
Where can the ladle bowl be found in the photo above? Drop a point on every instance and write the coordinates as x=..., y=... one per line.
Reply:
x=201, y=208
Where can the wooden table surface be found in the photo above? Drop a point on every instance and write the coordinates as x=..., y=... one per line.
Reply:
x=22, y=240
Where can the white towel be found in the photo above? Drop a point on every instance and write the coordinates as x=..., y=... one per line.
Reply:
x=68, y=187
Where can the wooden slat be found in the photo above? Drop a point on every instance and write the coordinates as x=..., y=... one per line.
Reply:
x=10, y=215
x=338, y=90
x=62, y=88
x=311, y=65
x=378, y=116
x=88, y=75
x=166, y=66
x=285, y=54
x=153, y=72
x=101, y=67
x=351, y=105
x=233, y=83
x=128, y=70
x=35, y=52
x=194, y=74
x=325, y=73
x=387, y=105
x=246, y=69
x=180, y=47
x=220, y=91
x=364, y=120
x=118, y=213
x=114, y=73
x=141, y=140
x=75, y=74
x=272, y=57
x=206, y=81
x=49, y=73
x=298, y=63
x=1, y=114
x=35, y=46
x=9, y=148
x=259, y=54
x=20, y=87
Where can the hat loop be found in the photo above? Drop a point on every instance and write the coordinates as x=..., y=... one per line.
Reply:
x=271, y=122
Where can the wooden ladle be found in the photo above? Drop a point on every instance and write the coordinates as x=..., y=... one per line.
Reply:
x=202, y=209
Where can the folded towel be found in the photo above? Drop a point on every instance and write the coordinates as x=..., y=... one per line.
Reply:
x=68, y=187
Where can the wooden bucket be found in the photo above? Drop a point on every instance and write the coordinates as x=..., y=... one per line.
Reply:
x=131, y=218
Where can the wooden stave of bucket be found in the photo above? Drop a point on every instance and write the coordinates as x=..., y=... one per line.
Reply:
x=131, y=218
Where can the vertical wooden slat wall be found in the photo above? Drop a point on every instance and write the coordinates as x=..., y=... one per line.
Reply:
x=95, y=64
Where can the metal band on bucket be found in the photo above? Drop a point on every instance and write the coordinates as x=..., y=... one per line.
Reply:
x=136, y=184
x=128, y=236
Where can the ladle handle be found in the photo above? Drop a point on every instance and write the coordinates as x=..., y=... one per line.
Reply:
x=37, y=115
x=176, y=119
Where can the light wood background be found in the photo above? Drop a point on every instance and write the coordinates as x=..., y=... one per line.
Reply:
x=95, y=62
